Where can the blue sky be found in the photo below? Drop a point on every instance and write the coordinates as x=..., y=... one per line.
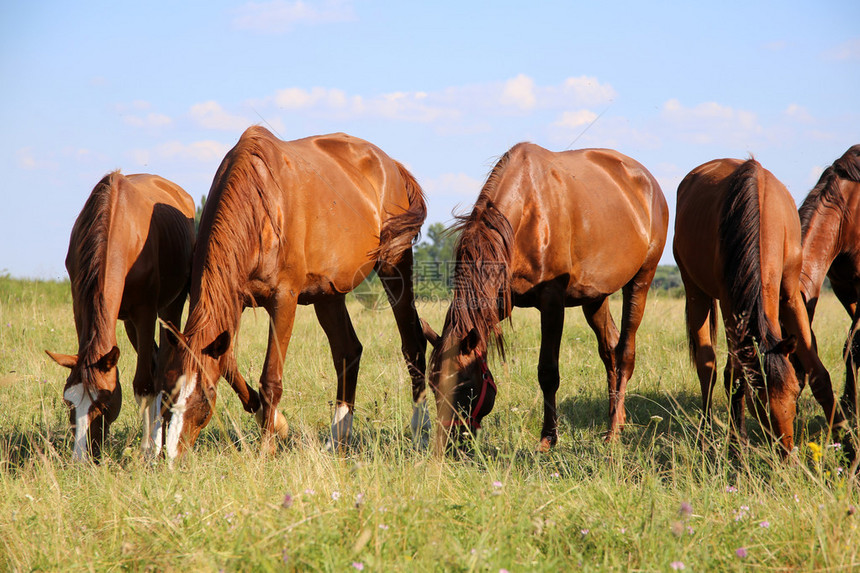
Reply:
x=444, y=87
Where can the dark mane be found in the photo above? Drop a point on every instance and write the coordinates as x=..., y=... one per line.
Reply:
x=826, y=193
x=236, y=210
x=482, y=274
x=90, y=241
x=740, y=233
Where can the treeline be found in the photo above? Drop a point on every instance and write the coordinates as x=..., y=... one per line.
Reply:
x=433, y=272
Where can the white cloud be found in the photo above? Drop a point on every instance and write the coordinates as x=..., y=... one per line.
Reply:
x=846, y=51
x=26, y=158
x=799, y=113
x=279, y=16
x=475, y=101
x=574, y=119
x=709, y=122
x=519, y=92
x=587, y=90
x=148, y=120
x=211, y=115
x=298, y=98
x=404, y=106
x=814, y=175
x=458, y=184
x=202, y=151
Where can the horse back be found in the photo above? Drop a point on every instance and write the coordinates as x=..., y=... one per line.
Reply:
x=702, y=201
x=594, y=215
x=329, y=194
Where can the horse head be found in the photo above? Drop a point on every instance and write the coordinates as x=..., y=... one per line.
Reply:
x=189, y=383
x=461, y=381
x=94, y=397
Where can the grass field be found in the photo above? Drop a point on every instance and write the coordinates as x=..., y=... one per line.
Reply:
x=654, y=502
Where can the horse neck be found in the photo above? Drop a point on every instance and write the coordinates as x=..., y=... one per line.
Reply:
x=95, y=322
x=822, y=242
x=97, y=274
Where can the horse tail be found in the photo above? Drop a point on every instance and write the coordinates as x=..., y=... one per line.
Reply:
x=400, y=231
x=740, y=245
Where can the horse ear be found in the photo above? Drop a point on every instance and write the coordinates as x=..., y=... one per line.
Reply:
x=785, y=346
x=67, y=360
x=469, y=342
x=109, y=360
x=218, y=347
x=429, y=333
x=173, y=334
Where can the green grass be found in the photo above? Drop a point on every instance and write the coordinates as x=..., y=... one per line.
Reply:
x=585, y=506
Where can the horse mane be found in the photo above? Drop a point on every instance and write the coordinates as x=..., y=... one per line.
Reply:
x=740, y=235
x=826, y=193
x=482, y=273
x=235, y=210
x=400, y=231
x=90, y=241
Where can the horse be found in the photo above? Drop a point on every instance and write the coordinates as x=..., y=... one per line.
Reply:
x=737, y=243
x=549, y=230
x=830, y=234
x=129, y=259
x=289, y=223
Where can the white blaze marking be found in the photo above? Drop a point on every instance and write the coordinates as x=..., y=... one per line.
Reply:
x=81, y=401
x=177, y=419
x=420, y=425
x=340, y=428
x=150, y=412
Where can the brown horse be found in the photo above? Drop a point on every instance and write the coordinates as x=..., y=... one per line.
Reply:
x=831, y=235
x=288, y=223
x=129, y=259
x=737, y=241
x=549, y=230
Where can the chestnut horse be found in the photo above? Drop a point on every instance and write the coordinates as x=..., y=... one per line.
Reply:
x=549, y=230
x=831, y=235
x=288, y=223
x=129, y=259
x=737, y=241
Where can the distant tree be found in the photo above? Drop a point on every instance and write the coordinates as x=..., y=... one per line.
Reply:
x=434, y=261
x=199, y=212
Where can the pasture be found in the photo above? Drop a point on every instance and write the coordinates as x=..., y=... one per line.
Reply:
x=656, y=501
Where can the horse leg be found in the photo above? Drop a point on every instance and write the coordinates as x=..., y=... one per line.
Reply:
x=600, y=320
x=146, y=393
x=282, y=314
x=698, y=309
x=635, y=293
x=794, y=318
x=735, y=385
x=551, y=306
x=847, y=295
x=346, y=353
x=851, y=353
x=397, y=281
x=249, y=397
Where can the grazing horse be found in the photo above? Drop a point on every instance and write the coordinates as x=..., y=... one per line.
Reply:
x=288, y=223
x=737, y=241
x=831, y=247
x=129, y=259
x=549, y=230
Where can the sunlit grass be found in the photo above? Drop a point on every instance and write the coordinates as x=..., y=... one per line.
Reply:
x=653, y=500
